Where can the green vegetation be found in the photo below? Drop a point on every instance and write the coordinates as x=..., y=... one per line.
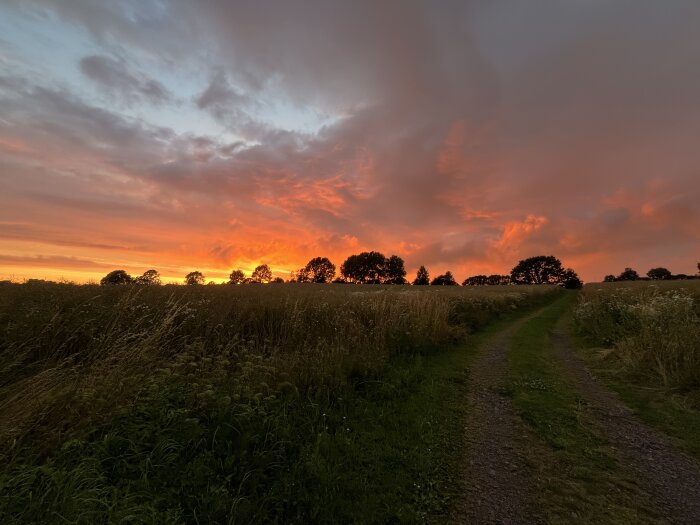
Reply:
x=655, y=331
x=290, y=403
x=580, y=477
x=643, y=340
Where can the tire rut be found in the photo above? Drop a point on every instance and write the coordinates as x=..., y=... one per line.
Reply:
x=498, y=480
x=670, y=477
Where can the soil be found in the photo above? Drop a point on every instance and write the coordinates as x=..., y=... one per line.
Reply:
x=497, y=478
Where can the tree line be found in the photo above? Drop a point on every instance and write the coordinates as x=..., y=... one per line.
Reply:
x=375, y=268
x=654, y=274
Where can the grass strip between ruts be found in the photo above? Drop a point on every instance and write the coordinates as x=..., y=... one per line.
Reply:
x=578, y=475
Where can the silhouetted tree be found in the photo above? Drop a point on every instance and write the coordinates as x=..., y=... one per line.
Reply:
x=194, y=278
x=422, y=277
x=339, y=280
x=497, y=280
x=365, y=267
x=628, y=275
x=487, y=280
x=394, y=271
x=278, y=280
x=570, y=280
x=236, y=277
x=116, y=277
x=445, y=279
x=659, y=274
x=317, y=270
x=609, y=279
x=149, y=277
x=543, y=269
x=262, y=274
x=475, y=280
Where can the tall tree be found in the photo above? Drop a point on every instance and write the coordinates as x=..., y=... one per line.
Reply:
x=394, y=271
x=445, y=279
x=365, y=268
x=116, y=277
x=422, y=277
x=149, y=277
x=194, y=278
x=262, y=274
x=317, y=270
x=236, y=277
x=543, y=269
x=659, y=274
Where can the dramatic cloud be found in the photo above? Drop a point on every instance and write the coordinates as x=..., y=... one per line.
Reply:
x=464, y=136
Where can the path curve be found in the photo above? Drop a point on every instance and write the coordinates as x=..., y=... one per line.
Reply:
x=669, y=476
x=498, y=481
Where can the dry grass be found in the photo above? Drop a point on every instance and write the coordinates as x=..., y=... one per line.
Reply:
x=653, y=326
x=176, y=404
x=72, y=355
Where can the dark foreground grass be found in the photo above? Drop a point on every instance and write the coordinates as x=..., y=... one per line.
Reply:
x=382, y=451
x=579, y=477
x=382, y=447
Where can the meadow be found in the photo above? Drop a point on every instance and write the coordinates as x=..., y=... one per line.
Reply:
x=643, y=339
x=651, y=327
x=253, y=403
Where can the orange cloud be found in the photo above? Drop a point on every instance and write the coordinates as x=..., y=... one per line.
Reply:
x=515, y=232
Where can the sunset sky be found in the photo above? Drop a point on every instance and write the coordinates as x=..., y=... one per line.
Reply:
x=461, y=135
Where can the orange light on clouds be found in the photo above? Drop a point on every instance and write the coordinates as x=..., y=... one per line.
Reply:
x=466, y=148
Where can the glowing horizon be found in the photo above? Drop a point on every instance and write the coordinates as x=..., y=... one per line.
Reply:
x=222, y=135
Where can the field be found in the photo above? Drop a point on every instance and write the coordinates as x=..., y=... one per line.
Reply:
x=303, y=403
x=654, y=328
x=643, y=339
x=171, y=404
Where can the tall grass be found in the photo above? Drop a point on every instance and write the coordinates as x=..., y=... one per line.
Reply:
x=653, y=328
x=174, y=404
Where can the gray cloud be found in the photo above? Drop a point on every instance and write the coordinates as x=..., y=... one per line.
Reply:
x=117, y=79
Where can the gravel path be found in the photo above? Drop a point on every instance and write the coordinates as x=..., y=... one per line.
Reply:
x=670, y=477
x=498, y=481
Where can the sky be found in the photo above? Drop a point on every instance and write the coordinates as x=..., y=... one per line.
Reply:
x=460, y=135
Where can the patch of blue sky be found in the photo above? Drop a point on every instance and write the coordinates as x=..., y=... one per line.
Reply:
x=41, y=48
x=283, y=114
x=47, y=50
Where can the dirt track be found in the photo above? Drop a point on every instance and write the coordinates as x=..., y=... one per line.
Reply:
x=498, y=480
x=669, y=477
x=500, y=484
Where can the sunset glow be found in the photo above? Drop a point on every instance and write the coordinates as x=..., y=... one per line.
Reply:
x=220, y=135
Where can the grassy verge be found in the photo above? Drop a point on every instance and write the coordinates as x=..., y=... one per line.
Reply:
x=651, y=335
x=384, y=446
x=674, y=412
x=579, y=476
